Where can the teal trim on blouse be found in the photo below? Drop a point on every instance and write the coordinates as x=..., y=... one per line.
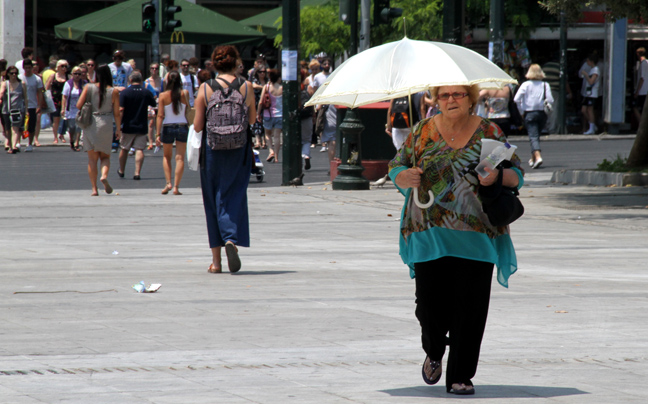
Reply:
x=440, y=242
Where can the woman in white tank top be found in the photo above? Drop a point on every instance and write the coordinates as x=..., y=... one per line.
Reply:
x=172, y=127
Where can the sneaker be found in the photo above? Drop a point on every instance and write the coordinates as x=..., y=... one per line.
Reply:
x=592, y=130
x=323, y=149
x=131, y=151
x=531, y=163
x=113, y=151
x=29, y=148
x=537, y=163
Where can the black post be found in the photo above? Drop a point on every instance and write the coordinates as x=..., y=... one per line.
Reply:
x=155, y=36
x=353, y=19
x=453, y=21
x=291, y=132
x=562, y=127
x=496, y=27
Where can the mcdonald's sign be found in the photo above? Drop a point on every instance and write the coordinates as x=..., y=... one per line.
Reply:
x=176, y=35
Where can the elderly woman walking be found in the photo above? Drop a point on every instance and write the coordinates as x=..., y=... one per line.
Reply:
x=530, y=99
x=450, y=246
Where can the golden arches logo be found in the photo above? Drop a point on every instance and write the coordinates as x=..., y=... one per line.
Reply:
x=177, y=35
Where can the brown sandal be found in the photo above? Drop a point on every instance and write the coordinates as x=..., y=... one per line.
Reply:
x=435, y=371
x=166, y=189
x=213, y=270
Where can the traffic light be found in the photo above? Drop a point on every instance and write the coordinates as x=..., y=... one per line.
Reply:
x=148, y=17
x=169, y=23
x=383, y=14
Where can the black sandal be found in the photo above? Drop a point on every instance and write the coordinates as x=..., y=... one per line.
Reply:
x=436, y=371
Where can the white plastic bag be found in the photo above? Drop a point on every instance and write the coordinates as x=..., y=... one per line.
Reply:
x=194, y=141
x=46, y=122
x=51, y=108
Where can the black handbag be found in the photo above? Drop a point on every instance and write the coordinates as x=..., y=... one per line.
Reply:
x=501, y=204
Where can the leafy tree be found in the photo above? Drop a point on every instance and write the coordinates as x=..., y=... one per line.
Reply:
x=321, y=31
x=633, y=9
x=422, y=19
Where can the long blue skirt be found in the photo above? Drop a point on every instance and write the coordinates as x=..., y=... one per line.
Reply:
x=224, y=179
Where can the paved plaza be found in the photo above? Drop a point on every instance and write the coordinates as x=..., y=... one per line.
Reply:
x=322, y=310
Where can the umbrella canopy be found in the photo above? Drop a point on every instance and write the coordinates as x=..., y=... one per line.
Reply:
x=123, y=23
x=404, y=67
x=265, y=22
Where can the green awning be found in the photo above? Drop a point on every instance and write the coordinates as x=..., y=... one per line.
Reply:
x=123, y=23
x=265, y=22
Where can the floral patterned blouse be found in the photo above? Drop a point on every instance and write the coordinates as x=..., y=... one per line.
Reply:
x=455, y=224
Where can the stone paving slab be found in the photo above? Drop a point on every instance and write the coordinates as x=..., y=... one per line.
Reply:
x=323, y=309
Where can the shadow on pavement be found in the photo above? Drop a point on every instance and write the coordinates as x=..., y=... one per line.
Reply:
x=488, y=391
x=244, y=272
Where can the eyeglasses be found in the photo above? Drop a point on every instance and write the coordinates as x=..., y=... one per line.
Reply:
x=456, y=96
x=76, y=74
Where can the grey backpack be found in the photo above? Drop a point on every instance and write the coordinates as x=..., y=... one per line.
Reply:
x=226, y=116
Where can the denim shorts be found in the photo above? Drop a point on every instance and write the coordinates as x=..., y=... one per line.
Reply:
x=272, y=123
x=177, y=133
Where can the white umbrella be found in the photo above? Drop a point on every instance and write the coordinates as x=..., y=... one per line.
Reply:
x=401, y=68
x=405, y=67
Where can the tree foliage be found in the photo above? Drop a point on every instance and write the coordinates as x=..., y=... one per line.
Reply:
x=321, y=31
x=633, y=9
x=421, y=19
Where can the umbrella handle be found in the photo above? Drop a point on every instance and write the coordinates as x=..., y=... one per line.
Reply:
x=418, y=202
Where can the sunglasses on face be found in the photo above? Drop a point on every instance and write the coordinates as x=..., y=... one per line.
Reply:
x=13, y=73
x=76, y=74
x=155, y=68
x=456, y=96
x=64, y=66
x=262, y=71
x=185, y=65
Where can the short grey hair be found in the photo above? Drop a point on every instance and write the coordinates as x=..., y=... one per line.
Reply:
x=136, y=77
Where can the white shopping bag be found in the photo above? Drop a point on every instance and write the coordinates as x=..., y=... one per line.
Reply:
x=193, y=148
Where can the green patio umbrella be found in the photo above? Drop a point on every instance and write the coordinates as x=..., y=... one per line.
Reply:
x=123, y=23
x=265, y=22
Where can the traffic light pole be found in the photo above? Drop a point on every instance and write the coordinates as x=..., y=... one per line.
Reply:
x=155, y=36
x=291, y=121
x=353, y=18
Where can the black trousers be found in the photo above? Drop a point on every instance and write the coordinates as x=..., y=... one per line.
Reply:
x=452, y=297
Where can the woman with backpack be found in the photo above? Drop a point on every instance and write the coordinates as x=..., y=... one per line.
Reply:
x=225, y=168
x=172, y=126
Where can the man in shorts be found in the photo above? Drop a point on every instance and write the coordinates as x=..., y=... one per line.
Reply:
x=35, y=97
x=133, y=107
